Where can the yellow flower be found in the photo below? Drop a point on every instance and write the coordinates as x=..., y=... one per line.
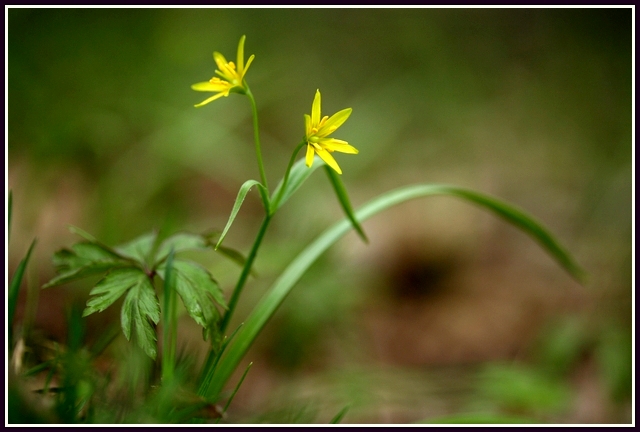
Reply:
x=232, y=76
x=317, y=131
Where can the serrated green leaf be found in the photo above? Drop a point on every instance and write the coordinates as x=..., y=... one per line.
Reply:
x=181, y=242
x=111, y=288
x=140, y=309
x=198, y=291
x=242, y=193
x=298, y=175
x=343, y=197
x=83, y=259
x=294, y=271
x=139, y=248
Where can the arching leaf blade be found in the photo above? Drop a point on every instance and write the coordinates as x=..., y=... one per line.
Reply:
x=292, y=274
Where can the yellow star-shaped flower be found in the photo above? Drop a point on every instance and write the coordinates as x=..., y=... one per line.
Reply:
x=232, y=76
x=318, y=129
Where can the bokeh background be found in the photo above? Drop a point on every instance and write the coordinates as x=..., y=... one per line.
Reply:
x=447, y=311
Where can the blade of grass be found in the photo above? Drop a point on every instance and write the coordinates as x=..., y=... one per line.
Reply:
x=212, y=361
x=244, y=375
x=14, y=289
x=287, y=280
x=338, y=418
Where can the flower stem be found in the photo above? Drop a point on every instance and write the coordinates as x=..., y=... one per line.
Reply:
x=246, y=270
x=256, y=135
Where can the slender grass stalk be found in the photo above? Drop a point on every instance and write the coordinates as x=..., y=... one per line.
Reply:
x=256, y=136
x=235, y=390
x=170, y=323
x=212, y=361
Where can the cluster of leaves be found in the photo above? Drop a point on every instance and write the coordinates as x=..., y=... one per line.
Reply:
x=132, y=269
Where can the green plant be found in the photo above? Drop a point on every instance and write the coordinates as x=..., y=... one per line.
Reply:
x=149, y=268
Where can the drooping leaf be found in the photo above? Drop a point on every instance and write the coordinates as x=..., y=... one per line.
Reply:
x=140, y=310
x=343, y=197
x=83, y=259
x=242, y=193
x=287, y=280
x=198, y=290
x=298, y=175
x=111, y=288
x=181, y=242
x=139, y=248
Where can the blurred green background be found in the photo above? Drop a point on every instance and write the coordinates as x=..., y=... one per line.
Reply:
x=447, y=310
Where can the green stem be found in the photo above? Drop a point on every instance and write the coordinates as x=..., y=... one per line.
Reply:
x=256, y=135
x=246, y=270
x=277, y=199
x=170, y=323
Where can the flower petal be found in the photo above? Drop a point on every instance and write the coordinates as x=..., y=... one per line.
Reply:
x=240, y=62
x=246, y=68
x=225, y=70
x=217, y=86
x=309, y=157
x=212, y=98
x=307, y=126
x=315, y=110
x=328, y=159
x=332, y=144
x=334, y=122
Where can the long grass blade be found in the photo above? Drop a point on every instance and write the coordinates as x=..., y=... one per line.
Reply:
x=287, y=280
x=14, y=287
x=235, y=390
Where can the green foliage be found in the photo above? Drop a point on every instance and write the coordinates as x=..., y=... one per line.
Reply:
x=198, y=290
x=84, y=259
x=139, y=307
x=130, y=268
